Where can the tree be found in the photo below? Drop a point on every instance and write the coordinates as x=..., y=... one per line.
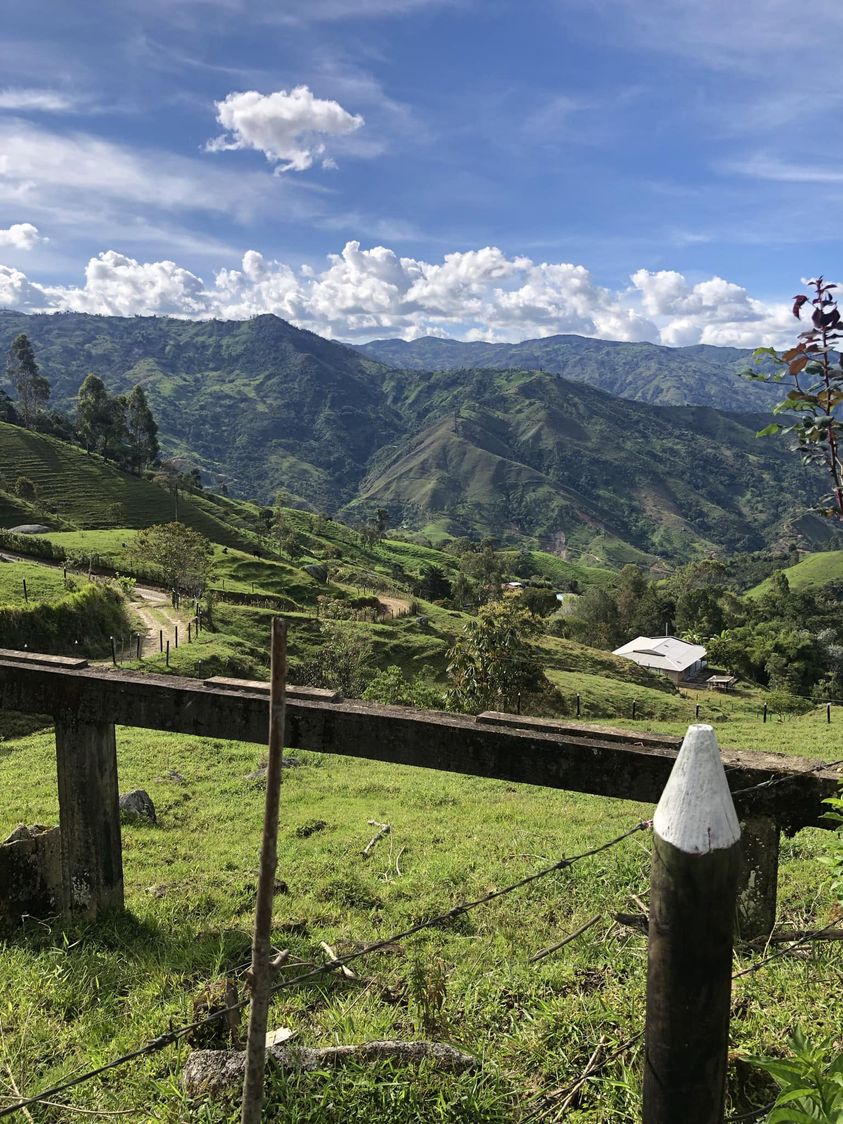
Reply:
x=181, y=554
x=812, y=404
x=100, y=419
x=141, y=430
x=26, y=489
x=32, y=387
x=343, y=662
x=492, y=662
x=8, y=413
x=433, y=585
x=382, y=520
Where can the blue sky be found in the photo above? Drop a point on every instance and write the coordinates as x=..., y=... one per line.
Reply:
x=643, y=169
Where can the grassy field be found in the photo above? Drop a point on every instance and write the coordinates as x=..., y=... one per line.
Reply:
x=810, y=572
x=74, y=997
x=86, y=491
x=43, y=583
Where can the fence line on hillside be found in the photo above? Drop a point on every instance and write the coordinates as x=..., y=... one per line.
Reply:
x=174, y=1034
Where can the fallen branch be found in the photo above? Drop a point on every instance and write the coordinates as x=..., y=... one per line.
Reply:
x=561, y=944
x=332, y=956
x=385, y=829
x=208, y=1072
x=799, y=935
x=632, y=921
x=590, y=1067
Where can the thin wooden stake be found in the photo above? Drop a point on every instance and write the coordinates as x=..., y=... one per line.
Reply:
x=261, y=971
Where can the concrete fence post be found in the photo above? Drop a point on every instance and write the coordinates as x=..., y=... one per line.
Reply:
x=759, y=876
x=89, y=815
x=693, y=890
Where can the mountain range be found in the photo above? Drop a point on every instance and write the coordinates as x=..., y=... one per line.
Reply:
x=645, y=372
x=517, y=452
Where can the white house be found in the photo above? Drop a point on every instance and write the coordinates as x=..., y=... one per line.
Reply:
x=675, y=658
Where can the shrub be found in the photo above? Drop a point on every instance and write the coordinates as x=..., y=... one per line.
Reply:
x=91, y=617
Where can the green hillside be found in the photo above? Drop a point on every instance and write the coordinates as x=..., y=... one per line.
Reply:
x=700, y=375
x=260, y=402
x=514, y=453
x=535, y=456
x=811, y=572
x=84, y=490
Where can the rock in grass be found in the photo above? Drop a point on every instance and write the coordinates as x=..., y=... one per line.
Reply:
x=210, y=1072
x=137, y=807
x=317, y=571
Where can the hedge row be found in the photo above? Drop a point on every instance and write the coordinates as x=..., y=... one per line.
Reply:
x=82, y=623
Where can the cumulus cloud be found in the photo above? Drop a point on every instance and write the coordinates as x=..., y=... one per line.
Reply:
x=20, y=235
x=714, y=311
x=475, y=294
x=285, y=126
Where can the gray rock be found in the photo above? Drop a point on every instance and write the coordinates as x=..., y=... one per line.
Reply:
x=210, y=1072
x=29, y=529
x=317, y=571
x=137, y=807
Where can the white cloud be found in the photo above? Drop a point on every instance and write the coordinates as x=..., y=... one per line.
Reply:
x=20, y=235
x=284, y=126
x=80, y=181
x=713, y=311
x=474, y=294
x=41, y=101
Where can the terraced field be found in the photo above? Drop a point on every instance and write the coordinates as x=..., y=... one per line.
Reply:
x=86, y=491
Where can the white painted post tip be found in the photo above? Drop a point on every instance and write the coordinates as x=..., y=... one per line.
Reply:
x=696, y=813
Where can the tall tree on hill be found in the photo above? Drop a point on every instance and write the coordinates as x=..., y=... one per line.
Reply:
x=32, y=387
x=101, y=419
x=91, y=411
x=141, y=429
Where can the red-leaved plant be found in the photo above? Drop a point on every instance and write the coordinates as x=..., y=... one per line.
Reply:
x=815, y=366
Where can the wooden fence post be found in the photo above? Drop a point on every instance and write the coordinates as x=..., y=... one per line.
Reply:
x=89, y=815
x=759, y=877
x=693, y=889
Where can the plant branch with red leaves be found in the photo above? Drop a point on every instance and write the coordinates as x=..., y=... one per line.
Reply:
x=815, y=366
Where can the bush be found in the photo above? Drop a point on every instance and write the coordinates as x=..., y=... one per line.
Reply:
x=26, y=489
x=91, y=617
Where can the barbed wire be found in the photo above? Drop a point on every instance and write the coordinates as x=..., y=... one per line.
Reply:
x=771, y=782
x=174, y=1034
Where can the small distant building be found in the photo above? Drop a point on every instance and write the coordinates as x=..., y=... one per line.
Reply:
x=675, y=658
x=721, y=682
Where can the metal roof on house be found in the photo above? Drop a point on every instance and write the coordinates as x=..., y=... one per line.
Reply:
x=666, y=653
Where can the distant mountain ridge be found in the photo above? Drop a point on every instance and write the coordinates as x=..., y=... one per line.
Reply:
x=517, y=453
x=644, y=372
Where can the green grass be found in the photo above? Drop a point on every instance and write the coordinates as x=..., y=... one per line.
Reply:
x=87, y=491
x=74, y=997
x=810, y=572
x=43, y=583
